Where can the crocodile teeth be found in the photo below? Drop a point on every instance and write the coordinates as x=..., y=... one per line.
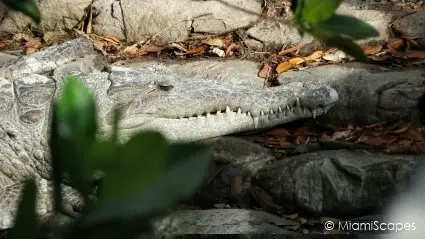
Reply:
x=289, y=108
x=248, y=113
x=280, y=110
x=208, y=115
x=227, y=109
x=314, y=113
x=239, y=111
x=219, y=113
x=271, y=112
x=290, y=111
x=261, y=113
x=298, y=102
x=198, y=117
x=325, y=110
x=256, y=121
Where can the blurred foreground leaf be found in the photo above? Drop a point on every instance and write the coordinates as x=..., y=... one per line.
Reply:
x=28, y=7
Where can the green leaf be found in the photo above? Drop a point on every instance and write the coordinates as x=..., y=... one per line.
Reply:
x=179, y=151
x=117, y=117
x=182, y=177
x=140, y=162
x=55, y=151
x=349, y=26
x=28, y=7
x=317, y=11
x=26, y=222
x=104, y=154
x=76, y=126
x=297, y=20
x=343, y=43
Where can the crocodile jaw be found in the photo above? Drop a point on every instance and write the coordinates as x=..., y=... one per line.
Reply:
x=217, y=124
x=194, y=109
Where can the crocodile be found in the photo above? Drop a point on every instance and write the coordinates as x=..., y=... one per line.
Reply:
x=151, y=98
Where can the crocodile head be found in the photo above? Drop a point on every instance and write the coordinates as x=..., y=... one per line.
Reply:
x=193, y=109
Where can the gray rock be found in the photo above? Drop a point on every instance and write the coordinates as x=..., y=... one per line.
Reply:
x=272, y=33
x=233, y=157
x=221, y=221
x=412, y=26
x=337, y=182
x=367, y=94
x=57, y=14
x=169, y=20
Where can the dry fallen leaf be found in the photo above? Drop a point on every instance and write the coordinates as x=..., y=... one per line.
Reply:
x=336, y=56
x=293, y=62
x=53, y=36
x=214, y=42
x=400, y=130
x=325, y=137
x=111, y=39
x=379, y=141
x=301, y=140
x=177, y=46
x=19, y=37
x=339, y=135
x=278, y=132
x=282, y=142
x=3, y=44
x=228, y=40
x=262, y=197
x=32, y=44
x=415, y=54
x=99, y=46
x=153, y=48
x=289, y=50
x=289, y=64
x=395, y=53
x=403, y=146
x=395, y=43
x=230, y=48
x=265, y=71
x=196, y=51
x=415, y=134
x=316, y=55
x=131, y=50
x=302, y=131
x=372, y=50
x=374, y=125
x=413, y=42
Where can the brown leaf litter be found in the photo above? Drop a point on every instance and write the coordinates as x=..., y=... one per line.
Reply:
x=400, y=137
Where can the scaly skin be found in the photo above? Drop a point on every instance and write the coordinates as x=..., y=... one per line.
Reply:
x=193, y=109
x=151, y=99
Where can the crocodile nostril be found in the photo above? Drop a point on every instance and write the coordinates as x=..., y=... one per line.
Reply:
x=164, y=87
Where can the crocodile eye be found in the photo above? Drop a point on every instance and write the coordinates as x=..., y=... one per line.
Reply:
x=165, y=86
